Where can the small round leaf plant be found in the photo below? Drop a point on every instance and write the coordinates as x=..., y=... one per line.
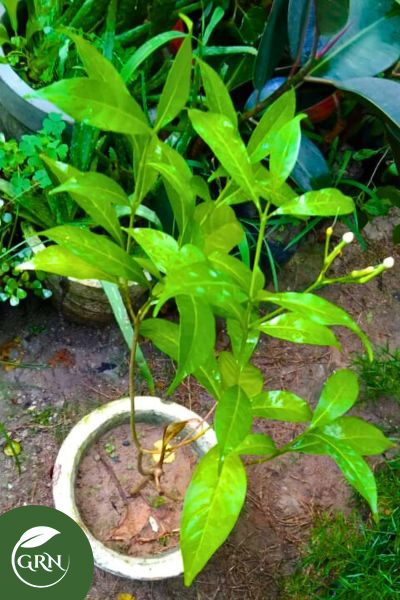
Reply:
x=196, y=269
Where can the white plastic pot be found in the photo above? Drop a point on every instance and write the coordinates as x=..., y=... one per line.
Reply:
x=81, y=437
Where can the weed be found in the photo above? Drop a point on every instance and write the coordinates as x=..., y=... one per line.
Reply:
x=381, y=377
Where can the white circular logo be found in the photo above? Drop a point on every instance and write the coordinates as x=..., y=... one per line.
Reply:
x=36, y=561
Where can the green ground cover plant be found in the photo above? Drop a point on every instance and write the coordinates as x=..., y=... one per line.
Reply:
x=194, y=267
x=381, y=377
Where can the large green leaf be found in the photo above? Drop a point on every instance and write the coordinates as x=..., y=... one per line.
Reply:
x=130, y=68
x=301, y=28
x=11, y=8
x=97, y=103
x=247, y=376
x=243, y=341
x=300, y=330
x=4, y=38
x=60, y=261
x=212, y=505
x=322, y=203
x=353, y=466
x=217, y=95
x=281, y=406
x=311, y=171
x=381, y=95
x=256, y=444
x=277, y=115
x=233, y=419
x=97, y=250
x=364, y=438
x=332, y=15
x=160, y=247
x=316, y=309
x=339, y=394
x=177, y=87
x=372, y=25
x=217, y=228
x=284, y=149
x=196, y=336
x=237, y=270
x=222, y=137
x=272, y=44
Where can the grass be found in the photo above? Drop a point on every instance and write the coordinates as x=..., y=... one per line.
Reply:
x=348, y=559
x=381, y=377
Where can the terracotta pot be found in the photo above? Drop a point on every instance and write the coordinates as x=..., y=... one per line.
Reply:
x=81, y=437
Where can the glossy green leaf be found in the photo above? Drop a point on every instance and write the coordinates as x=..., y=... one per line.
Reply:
x=247, y=376
x=196, y=336
x=371, y=25
x=204, y=282
x=311, y=171
x=332, y=15
x=11, y=8
x=97, y=250
x=237, y=270
x=242, y=348
x=364, y=438
x=177, y=87
x=130, y=68
x=277, y=115
x=214, y=20
x=211, y=508
x=316, y=309
x=281, y=406
x=233, y=419
x=284, y=150
x=60, y=261
x=339, y=394
x=301, y=28
x=256, y=444
x=160, y=247
x=217, y=94
x=218, y=229
x=4, y=38
x=222, y=137
x=300, y=330
x=353, y=466
x=272, y=44
x=164, y=334
x=200, y=188
x=96, y=103
x=209, y=376
x=322, y=203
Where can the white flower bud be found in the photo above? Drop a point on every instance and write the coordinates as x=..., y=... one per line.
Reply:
x=348, y=237
x=388, y=263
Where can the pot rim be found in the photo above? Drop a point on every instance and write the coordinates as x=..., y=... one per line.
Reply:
x=80, y=438
x=19, y=87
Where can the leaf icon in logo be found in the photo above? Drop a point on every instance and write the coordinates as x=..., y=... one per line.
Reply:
x=37, y=536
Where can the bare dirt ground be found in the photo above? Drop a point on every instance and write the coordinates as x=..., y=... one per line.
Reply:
x=68, y=369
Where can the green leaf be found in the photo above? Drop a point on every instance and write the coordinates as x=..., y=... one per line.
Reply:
x=121, y=315
x=247, y=376
x=322, y=203
x=242, y=348
x=164, y=334
x=217, y=94
x=4, y=39
x=196, y=336
x=311, y=171
x=97, y=103
x=177, y=87
x=218, y=229
x=256, y=444
x=237, y=270
x=284, y=149
x=371, y=25
x=364, y=438
x=204, y=282
x=316, y=309
x=332, y=15
x=272, y=44
x=211, y=508
x=97, y=250
x=281, y=406
x=61, y=261
x=160, y=247
x=339, y=394
x=274, y=118
x=300, y=330
x=222, y=137
x=130, y=69
x=11, y=7
x=233, y=419
x=353, y=466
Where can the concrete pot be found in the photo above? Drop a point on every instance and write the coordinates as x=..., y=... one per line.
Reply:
x=19, y=115
x=81, y=437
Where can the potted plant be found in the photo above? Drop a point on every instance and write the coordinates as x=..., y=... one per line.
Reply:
x=198, y=271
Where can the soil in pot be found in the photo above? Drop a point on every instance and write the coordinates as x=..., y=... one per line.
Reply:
x=149, y=524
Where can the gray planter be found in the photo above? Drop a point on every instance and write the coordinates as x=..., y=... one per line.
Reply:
x=19, y=115
x=81, y=437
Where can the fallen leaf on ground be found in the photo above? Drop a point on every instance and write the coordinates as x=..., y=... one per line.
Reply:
x=12, y=449
x=7, y=354
x=135, y=519
x=62, y=357
x=125, y=597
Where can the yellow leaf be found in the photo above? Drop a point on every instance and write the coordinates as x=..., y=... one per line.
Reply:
x=125, y=597
x=169, y=458
x=8, y=449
